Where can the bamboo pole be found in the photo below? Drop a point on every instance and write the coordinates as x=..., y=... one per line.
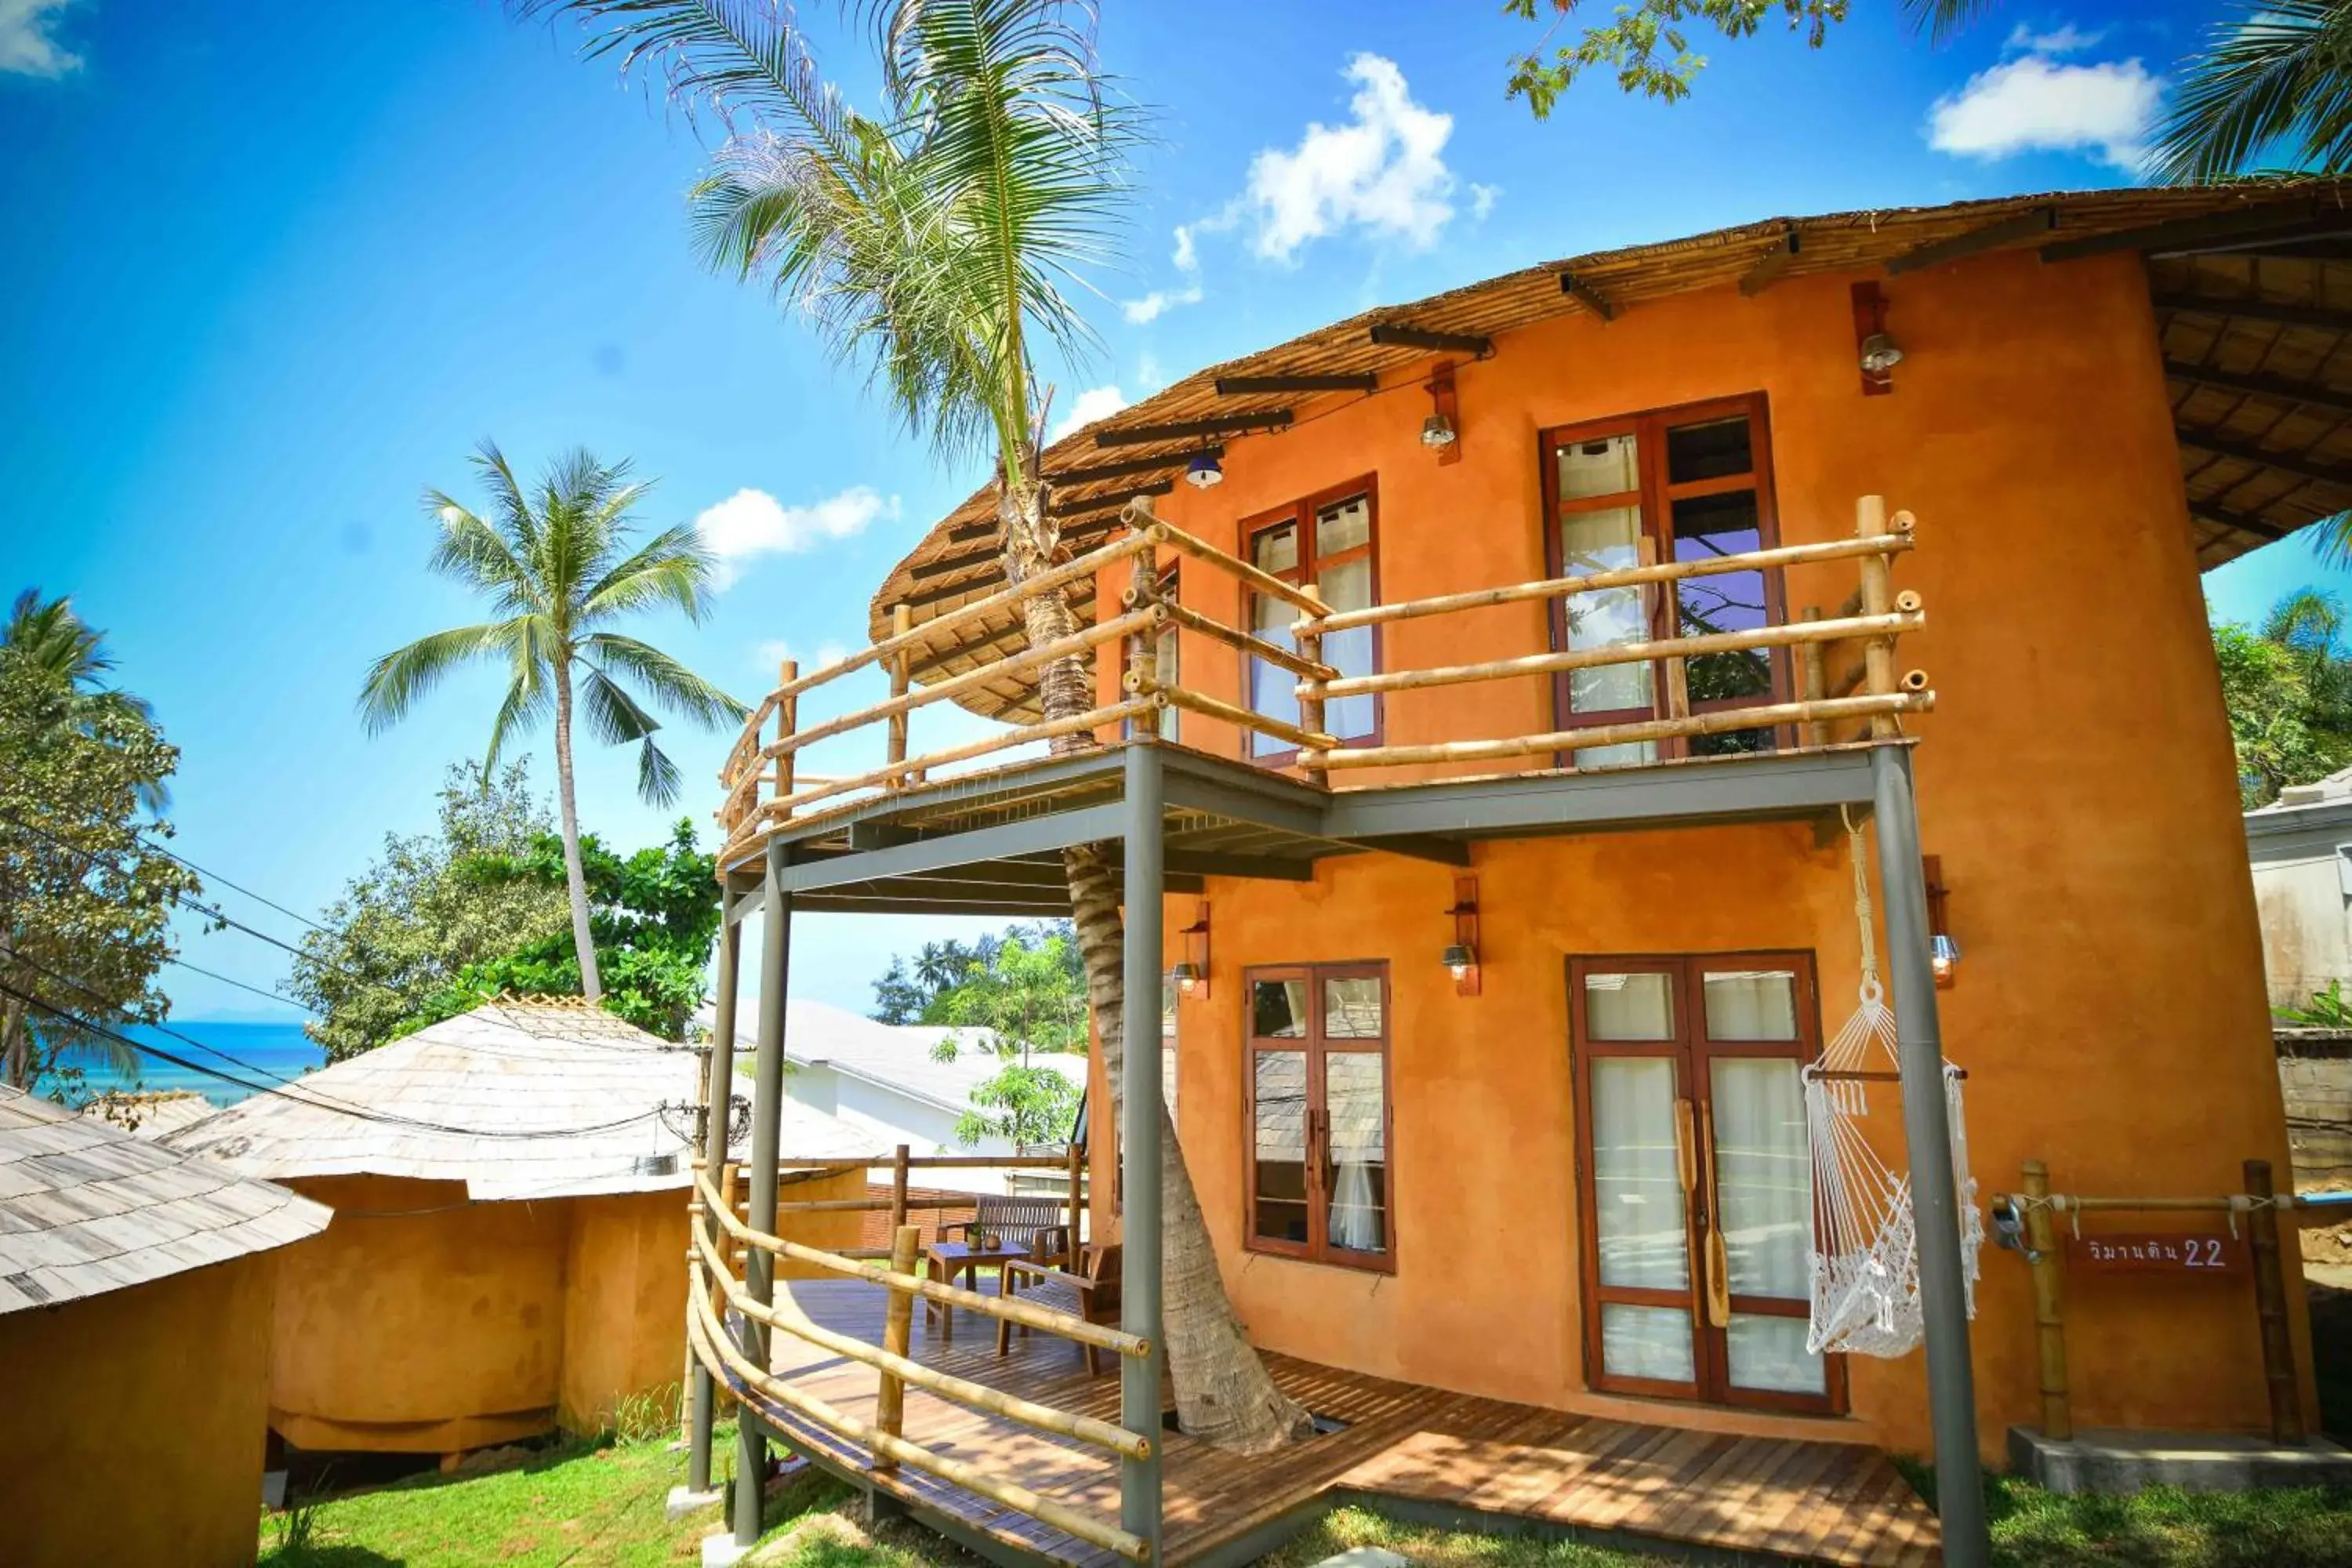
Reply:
x=1210, y=706
x=711, y=1339
x=1877, y=599
x=898, y=1336
x=1299, y=664
x=1263, y=582
x=2270, y=1303
x=1713, y=722
x=1801, y=633
x=1810, y=686
x=897, y=1190
x=788, y=712
x=898, y=1206
x=902, y=621
x=1312, y=716
x=1618, y=577
x=1075, y=1164
x=883, y=1162
x=2048, y=1303
x=1068, y=1325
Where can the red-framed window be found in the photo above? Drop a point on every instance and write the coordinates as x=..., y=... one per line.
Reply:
x=1331, y=539
x=1318, y=1117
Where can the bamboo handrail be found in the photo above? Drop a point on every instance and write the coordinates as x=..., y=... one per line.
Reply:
x=927, y=1163
x=861, y=1205
x=1068, y=1325
x=1263, y=581
x=1617, y=577
x=1785, y=635
x=712, y=1343
x=1243, y=642
x=1713, y=722
x=1213, y=708
x=947, y=1385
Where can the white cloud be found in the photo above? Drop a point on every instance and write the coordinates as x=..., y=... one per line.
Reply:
x=1148, y=371
x=1157, y=304
x=2036, y=105
x=2065, y=40
x=1186, y=258
x=1481, y=200
x=775, y=651
x=26, y=48
x=1383, y=170
x=1095, y=403
x=754, y=522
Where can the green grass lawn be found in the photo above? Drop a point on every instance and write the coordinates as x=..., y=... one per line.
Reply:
x=601, y=1507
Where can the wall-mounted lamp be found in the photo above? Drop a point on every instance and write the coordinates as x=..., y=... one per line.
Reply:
x=1203, y=472
x=1441, y=431
x=1875, y=350
x=1944, y=953
x=1460, y=955
x=1191, y=974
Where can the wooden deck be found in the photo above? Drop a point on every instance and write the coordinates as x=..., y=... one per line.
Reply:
x=1834, y=1502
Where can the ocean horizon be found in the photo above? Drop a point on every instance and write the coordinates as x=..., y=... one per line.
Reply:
x=261, y=1052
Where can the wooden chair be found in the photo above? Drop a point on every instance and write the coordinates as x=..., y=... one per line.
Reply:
x=1092, y=1294
x=1026, y=1221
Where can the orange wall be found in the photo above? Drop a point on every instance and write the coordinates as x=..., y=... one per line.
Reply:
x=155, y=1396
x=2076, y=780
x=624, y=1305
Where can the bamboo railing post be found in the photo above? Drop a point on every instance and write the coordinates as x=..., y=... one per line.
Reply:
x=1076, y=1166
x=1812, y=683
x=897, y=1331
x=1143, y=594
x=902, y=621
x=1877, y=599
x=1310, y=708
x=898, y=1191
x=2048, y=1303
x=2270, y=1302
x=787, y=719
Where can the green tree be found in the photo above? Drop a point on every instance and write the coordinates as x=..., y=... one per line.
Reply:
x=85, y=891
x=49, y=634
x=558, y=567
x=1026, y=998
x=434, y=904
x=938, y=243
x=2288, y=688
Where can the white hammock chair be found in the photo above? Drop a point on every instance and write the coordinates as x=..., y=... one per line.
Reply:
x=1866, y=1257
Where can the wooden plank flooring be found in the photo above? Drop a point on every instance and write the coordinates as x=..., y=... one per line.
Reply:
x=1832, y=1502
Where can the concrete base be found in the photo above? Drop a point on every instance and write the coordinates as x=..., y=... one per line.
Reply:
x=2113, y=1460
x=719, y=1551
x=683, y=1501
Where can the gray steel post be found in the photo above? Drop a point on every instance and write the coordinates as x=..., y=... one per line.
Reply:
x=767, y=1118
x=1943, y=1300
x=1139, y=1382
x=718, y=1090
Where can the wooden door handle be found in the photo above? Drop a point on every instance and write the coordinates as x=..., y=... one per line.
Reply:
x=1686, y=1155
x=1718, y=1259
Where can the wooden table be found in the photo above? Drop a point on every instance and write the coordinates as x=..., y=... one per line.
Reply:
x=947, y=1259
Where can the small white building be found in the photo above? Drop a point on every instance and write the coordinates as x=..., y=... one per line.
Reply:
x=886, y=1079
x=2301, y=850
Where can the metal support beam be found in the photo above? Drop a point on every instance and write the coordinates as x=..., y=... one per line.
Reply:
x=2244, y=523
x=1943, y=1291
x=1586, y=295
x=766, y=1123
x=1093, y=471
x=1399, y=334
x=1186, y=430
x=718, y=1090
x=1340, y=380
x=1139, y=1314
x=1419, y=846
x=2185, y=235
x=1774, y=264
x=1002, y=842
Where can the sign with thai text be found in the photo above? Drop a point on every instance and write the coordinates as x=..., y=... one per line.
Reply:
x=2161, y=1253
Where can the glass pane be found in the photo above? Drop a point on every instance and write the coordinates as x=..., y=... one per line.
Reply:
x=1709, y=451
x=1638, y=1007
x=1351, y=1008
x=1343, y=527
x=1647, y=1342
x=1275, y=549
x=1637, y=1188
x=1709, y=527
x=1606, y=540
x=1278, y=1009
x=1356, y=1096
x=1274, y=692
x=1769, y=1352
x=1349, y=587
x=1280, y=1108
x=1608, y=467
x=1751, y=1005
x=1763, y=1175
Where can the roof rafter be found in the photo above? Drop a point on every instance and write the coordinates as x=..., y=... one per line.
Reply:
x=1222, y=424
x=1991, y=237
x=1586, y=295
x=2296, y=463
x=2282, y=388
x=2181, y=236
x=1346, y=380
x=1774, y=264
x=2250, y=310
x=1403, y=335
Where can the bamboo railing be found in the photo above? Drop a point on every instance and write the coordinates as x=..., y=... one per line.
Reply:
x=720, y=1286
x=1843, y=682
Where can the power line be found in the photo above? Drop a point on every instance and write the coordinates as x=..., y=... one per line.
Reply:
x=241, y=986
x=223, y=881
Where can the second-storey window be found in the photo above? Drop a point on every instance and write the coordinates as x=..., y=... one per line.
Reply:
x=1328, y=540
x=1681, y=484
x=1318, y=1114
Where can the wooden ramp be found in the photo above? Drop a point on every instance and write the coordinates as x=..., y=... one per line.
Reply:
x=1453, y=1453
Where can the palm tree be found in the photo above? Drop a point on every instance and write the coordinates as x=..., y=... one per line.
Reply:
x=555, y=563
x=56, y=639
x=2276, y=78
x=934, y=246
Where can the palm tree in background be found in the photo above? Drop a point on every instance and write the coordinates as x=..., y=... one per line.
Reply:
x=51, y=634
x=934, y=246
x=556, y=565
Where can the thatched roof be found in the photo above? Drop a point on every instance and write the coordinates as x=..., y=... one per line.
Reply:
x=545, y=1098
x=86, y=1208
x=2252, y=285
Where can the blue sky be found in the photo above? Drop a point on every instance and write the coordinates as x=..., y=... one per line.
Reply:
x=272, y=268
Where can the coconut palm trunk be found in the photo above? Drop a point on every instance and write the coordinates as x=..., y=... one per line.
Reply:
x=575, y=878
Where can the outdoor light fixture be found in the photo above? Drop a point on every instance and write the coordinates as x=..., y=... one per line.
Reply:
x=1442, y=432
x=1943, y=952
x=1203, y=472
x=1460, y=955
x=1436, y=431
x=1192, y=975
x=1874, y=349
x=1945, y=957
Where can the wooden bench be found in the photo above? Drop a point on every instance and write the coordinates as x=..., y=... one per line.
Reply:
x=1092, y=1294
x=1025, y=1220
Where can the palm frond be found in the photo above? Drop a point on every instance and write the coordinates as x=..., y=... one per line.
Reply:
x=658, y=781
x=2278, y=76
x=396, y=681
x=672, y=568
x=1939, y=19
x=514, y=520
x=614, y=716
x=530, y=693
x=676, y=687
x=473, y=552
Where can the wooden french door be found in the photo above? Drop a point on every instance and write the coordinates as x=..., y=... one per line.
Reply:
x=1694, y=1177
